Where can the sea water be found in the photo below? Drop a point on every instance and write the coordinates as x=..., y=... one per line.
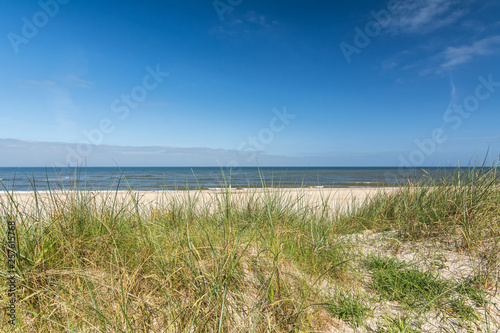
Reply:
x=184, y=178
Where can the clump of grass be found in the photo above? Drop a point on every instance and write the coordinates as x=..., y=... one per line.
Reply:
x=397, y=281
x=348, y=307
x=473, y=287
x=460, y=309
x=422, y=291
x=399, y=324
x=462, y=211
x=465, y=204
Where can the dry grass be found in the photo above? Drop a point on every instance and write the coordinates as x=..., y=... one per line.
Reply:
x=254, y=265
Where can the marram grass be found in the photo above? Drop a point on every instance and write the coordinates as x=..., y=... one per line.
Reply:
x=257, y=265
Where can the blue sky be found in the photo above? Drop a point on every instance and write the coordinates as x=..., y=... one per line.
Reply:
x=238, y=82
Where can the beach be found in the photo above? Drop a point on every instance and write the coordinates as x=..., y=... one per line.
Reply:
x=336, y=199
x=319, y=259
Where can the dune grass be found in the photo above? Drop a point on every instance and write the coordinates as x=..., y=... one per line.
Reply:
x=88, y=263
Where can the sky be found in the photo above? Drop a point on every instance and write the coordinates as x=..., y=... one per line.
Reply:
x=239, y=82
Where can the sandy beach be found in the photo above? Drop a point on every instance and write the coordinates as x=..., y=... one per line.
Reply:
x=296, y=253
x=336, y=199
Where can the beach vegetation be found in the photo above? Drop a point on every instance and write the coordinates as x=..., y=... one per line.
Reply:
x=254, y=261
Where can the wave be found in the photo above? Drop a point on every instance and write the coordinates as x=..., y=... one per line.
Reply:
x=55, y=179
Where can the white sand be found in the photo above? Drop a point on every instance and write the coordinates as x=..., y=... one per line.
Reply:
x=334, y=198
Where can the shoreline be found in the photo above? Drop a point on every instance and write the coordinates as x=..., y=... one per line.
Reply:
x=369, y=185
x=336, y=199
x=321, y=189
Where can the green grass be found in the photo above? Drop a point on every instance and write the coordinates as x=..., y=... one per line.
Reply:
x=348, y=307
x=396, y=281
x=240, y=264
x=465, y=205
x=424, y=291
x=181, y=266
x=462, y=310
x=473, y=287
x=398, y=324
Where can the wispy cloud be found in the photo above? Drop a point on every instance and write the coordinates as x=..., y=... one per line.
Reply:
x=396, y=60
x=476, y=138
x=463, y=42
x=456, y=55
x=259, y=20
x=250, y=22
x=423, y=16
x=29, y=153
x=441, y=60
x=70, y=81
x=36, y=153
x=78, y=82
x=36, y=83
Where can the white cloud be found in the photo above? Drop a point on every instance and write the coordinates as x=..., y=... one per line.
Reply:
x=442, y=61
x=19, y=153
x=249, y=23
x=257, y=19
x=396, y=60
x=423, y=16
x=454, y=56
x=36, y=153
x=36, y=83
x=78, y=82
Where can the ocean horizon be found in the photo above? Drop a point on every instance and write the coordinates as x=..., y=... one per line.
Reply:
x=191, y=178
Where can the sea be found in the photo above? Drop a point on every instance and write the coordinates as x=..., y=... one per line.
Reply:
x=191, y=178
